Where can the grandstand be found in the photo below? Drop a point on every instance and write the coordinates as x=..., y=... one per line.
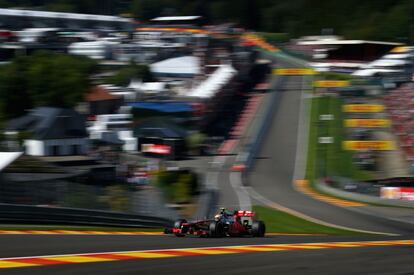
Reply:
x=400, y=104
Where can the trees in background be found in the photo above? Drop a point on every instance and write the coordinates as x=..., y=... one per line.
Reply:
x=51, y=79
x=14, y=96
x=369, y=19
x=133, y=71
x=43, y=79
x=178, y=186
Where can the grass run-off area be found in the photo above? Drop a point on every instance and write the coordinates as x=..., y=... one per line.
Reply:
x=325, y=160
x=281, y=222
x=78, y=228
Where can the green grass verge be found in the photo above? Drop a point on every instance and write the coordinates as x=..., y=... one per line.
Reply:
x=281, y=222
x=339, y=162
x=334, y=76
x=330, y=159
x=77, y=228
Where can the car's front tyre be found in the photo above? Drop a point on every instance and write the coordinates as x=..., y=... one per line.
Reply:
x=216, y=229
x=178, y=225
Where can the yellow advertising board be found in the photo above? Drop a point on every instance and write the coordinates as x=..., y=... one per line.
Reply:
x=400, y=49
x=367, y=123
x=378, y=145
x=294, y=71
x=330, y=83
x=362, y=108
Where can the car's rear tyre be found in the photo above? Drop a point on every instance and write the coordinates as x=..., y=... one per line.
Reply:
x=178, y=224
x=216, y=229
x=258, y=229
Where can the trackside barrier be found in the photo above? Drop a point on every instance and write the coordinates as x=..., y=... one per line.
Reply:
x=210, y=196
x=249, y=155
x=256, y=142
x=323, y=187
x=24, y=214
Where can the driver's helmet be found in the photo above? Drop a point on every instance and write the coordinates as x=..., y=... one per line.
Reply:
x=217, y=217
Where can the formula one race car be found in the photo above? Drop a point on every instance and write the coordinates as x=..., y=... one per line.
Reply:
x=240, y=223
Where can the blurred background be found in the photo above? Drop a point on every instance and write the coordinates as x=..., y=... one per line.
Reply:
x=122, y=105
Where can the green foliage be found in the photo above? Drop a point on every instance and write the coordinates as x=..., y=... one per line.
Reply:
x=195, y=140
x=178, y=186
x=43, y=79
x=133, y=71
x=60, y=6
x=385, y=19
x=370, y=19
x=22, y=136
x=182, y=192
x=275, y=37
x=117, y=197
x=145, y=9
x=81, y=196
x=14, y=96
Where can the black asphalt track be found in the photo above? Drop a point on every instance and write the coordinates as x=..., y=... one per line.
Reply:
x=272, y=178
x=38, y=245
x=273, y=172
x=362, y=260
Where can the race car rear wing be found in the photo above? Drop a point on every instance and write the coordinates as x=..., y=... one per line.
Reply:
x=242, y=213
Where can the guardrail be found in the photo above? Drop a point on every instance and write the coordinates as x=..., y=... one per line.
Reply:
x=355, y=196
x=353, y=186
x=249, y=156
x=25, y=214
x=253, y=149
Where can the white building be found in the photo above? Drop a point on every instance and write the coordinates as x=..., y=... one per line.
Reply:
x=146, y=90
x=398, y=61
x=6, y=158
x=114, y=128
x=214, y=82
x=32, y=35
x=177, y=67
x=99, y=50
x=51, y=132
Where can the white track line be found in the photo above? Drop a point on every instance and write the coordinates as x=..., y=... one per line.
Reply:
x=302, y=137
x=235, y=179
x=279, y=207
